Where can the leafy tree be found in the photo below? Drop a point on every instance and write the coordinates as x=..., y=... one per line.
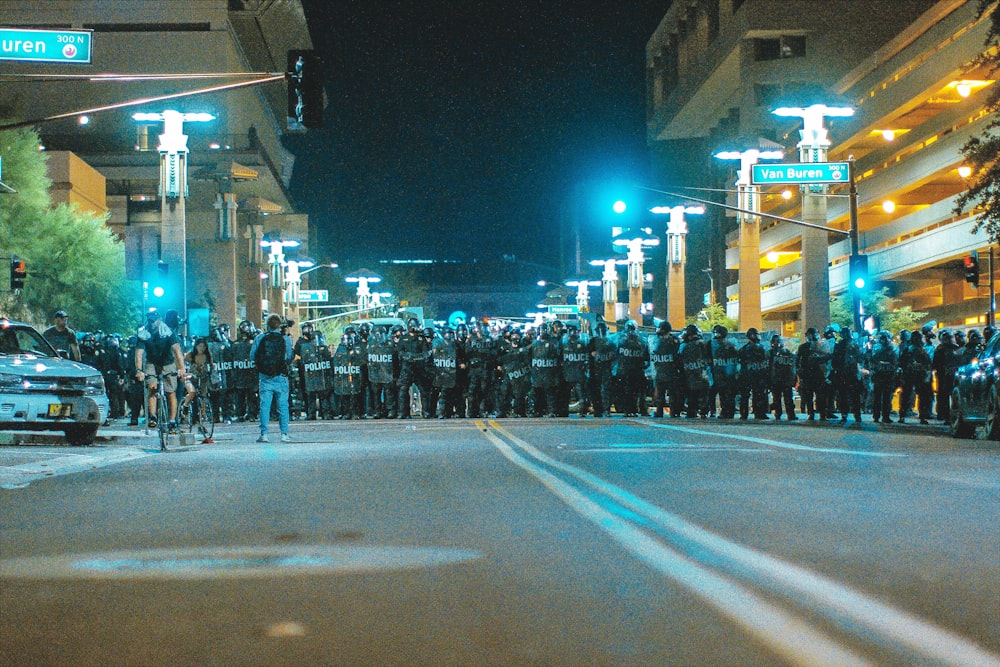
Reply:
x=74, y=261
x=706, y=318
x=877, y=304
x=982, y=153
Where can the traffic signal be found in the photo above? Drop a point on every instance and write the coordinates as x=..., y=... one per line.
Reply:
x=305, y=89
x=18, y=273
x=859, y=274
x=162, y=275
x=971, y=265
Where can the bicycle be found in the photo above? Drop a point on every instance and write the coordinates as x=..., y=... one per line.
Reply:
x=202, y=415
x=162, y=423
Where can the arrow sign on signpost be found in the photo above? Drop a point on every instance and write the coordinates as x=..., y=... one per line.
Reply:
x=800, y=173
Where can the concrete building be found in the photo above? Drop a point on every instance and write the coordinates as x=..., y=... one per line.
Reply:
x=716, y=70
x=238, y=170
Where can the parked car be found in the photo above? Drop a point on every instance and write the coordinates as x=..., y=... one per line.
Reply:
x=974, y=400
x=41, y=391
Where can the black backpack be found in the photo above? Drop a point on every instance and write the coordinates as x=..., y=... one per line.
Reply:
x=270, y=355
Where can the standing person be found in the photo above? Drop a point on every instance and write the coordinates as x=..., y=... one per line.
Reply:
x=61, y=337
x=382, y=372
x=271, y=351
x=847, y=369
x=917, y=372
x=883, y=367
x=576, y=362
x=753, y=377
x=603, y=355
x=811, y=379
x=973, y=347
x=725, y=367
x=696, y=365
x=158, y=351
x=546, y=355
x=945, y=361
x=115, y=371
x=633, y=358
x=412, y=351
x=666, y=376
x=781, y=367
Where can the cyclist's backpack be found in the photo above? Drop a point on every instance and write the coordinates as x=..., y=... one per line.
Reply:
x=270, y=355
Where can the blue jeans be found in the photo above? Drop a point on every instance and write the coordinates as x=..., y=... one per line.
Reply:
x=274, y=389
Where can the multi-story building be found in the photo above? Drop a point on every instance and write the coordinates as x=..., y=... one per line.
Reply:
x=238, y=171
x=717, y=69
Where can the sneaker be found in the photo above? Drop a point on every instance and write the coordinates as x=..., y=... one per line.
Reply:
x=285, y=437
x=263, y=438
x=172, y=428
x=151, y=423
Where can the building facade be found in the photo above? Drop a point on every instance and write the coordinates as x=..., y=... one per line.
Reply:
x=238, y=171
x=718, y=68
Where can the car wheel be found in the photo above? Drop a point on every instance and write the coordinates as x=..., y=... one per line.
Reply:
x=957, y=425
x=81, y=436
x=993, y=415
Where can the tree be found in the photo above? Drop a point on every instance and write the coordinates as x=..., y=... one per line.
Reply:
x=879, y=305
x=74, y=261
x=982, y=153
x=712, y=315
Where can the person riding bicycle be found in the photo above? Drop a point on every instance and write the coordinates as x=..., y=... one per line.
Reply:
x=158, y=351
x=202, y=376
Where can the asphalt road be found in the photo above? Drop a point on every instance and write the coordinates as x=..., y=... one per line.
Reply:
x=509, y=542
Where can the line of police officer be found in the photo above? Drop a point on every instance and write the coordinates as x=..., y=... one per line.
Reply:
x=474, y=371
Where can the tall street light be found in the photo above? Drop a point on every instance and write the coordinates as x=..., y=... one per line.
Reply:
x=677, y=230
x=633, y=242
x=609, y=279
x=173, y=191
x=363, y=278
x=276, y=245
x=814, y=147
x=582, y=286
x=748, y=199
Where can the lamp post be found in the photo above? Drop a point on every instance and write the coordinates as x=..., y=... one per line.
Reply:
x=293, y=279
x=813, y=147
x=364, y=278
x=677, y=230
x=582, y=286
x=633, y=242
x=609, y=279
x=259, y=208
x=173, y=191
x=748, y=199
x=276, y=261
x=310, y=266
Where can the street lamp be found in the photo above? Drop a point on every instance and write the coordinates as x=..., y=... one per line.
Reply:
x=813, y=147
x=610, y=281
x=173, y=191
x=677, y=230
x=582, y=286
x=632, y=242
x=748, y=199
x=364, y=278
x=276, y=245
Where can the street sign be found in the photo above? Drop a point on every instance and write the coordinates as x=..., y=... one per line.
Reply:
x=558, y=309
x=800, y=173
x=45, y=46
x=313, y=295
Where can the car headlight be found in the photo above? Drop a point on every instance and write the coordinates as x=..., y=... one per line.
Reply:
x=11, y=383
x=95, y=386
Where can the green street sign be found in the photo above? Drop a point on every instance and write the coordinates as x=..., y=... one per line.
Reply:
x=314, y=295
x=800, y=173
x=45, y=46
x=558, y=309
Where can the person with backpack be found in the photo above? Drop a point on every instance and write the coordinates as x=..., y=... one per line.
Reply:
x=271, y=351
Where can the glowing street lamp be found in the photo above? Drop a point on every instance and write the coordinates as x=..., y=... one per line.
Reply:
x=364, y=278
x=813, y=147
x=677, y=230
x=749, y=200
x=609, y=279
x=583, y=286
x=633, y=242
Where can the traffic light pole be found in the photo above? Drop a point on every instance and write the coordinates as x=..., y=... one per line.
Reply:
x=992, y=315
x=855, y=244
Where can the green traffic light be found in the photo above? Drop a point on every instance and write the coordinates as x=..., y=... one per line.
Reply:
x=619, y=207
x=158, y=291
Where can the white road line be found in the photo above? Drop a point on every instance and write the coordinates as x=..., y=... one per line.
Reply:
x=773, y=443
x=784, y=633
x=835, y=601
x=19, y=476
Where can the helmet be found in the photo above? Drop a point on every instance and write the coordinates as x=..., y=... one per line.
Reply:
x=631, y=325
x=720, y=331
x=753, y=334
x=397, y=329
x=831, y=330
x=776, y=340
x=884, y=335
x=691, y=332
x=601, y=329
x=428, y=332
x=664, y=327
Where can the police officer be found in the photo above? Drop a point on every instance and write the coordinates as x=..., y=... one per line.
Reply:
x=603, y=356
x=945, y=361
x=882, y=365
x=346, y=364
x=633, y=358
x=973, y=347
x=444, y=353
x=666, y=376
x=916, y=363
x=575, y=365
x=696, y=365
x=546, y=374
x=753, y=377
x=478, y=357
x=382, y=371
x=115, y=371
x=243, y=378
x=781, y=371
x=847, y=368
x=516, y=363
x=725, y=367
x=413, y=352
x=810, y=361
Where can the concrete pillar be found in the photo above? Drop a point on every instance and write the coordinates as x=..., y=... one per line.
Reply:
x=815, y=264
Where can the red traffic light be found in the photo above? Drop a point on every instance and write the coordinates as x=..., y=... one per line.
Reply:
x=970, y=263
x=18, y=273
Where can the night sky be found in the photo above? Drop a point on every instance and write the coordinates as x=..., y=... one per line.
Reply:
x=456, y=130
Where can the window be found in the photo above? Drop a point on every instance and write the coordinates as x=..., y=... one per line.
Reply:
x=786, y=46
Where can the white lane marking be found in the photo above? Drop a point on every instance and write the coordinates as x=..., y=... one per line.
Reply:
x=784, y=633
x=658, y=446
x=836, y=601
x=229, y=562
x=774, y=443
x=20, y=476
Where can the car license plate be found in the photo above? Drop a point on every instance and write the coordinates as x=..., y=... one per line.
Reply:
x=60, y=410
